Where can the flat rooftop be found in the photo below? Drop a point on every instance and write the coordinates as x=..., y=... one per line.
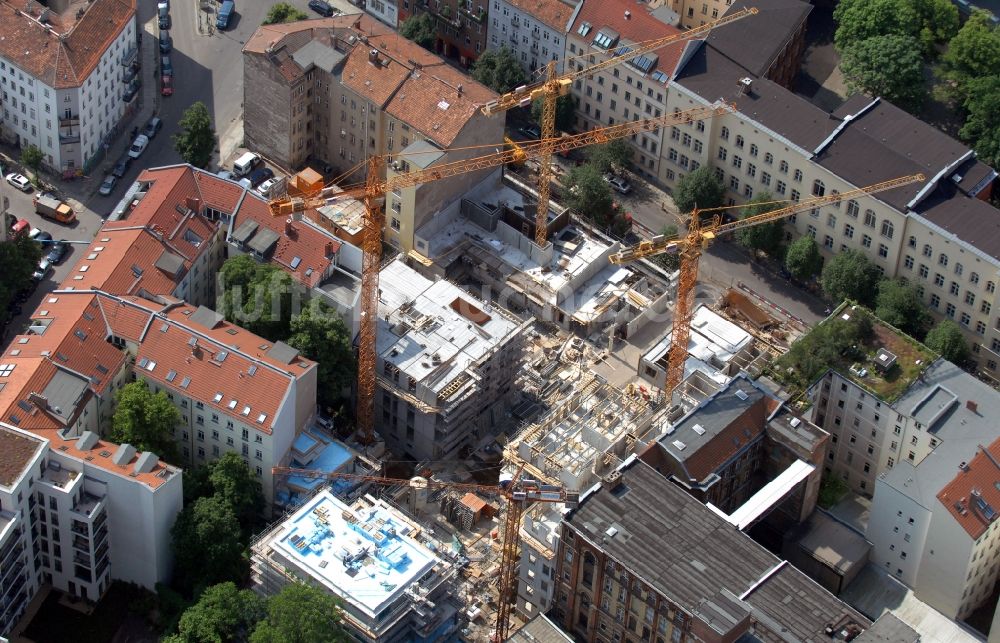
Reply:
x=17, y=449
x=713, y=338
x=433, y=331
x=365, y=554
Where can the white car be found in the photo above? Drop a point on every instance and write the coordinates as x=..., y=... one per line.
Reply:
x=138, y=146
x=618, y=183
x=19, y=181
x=264, y=189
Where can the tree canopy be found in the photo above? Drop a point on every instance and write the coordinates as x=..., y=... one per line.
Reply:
x=320, y=333
x=823, y=347
x=565, y=112
x=300, y=614
x=260, y=297
x=982, y=124
x=973, y=53
x=614, y=155
x=231, y=480
x=946, y=338
x=18, y=260
x=898, y=303
x=859, y=20
x=196, y=140
x=283, y=12
x=499, y=70
x=32, y=158
x=589, y=194
x=889, y=66
x=850, y=275
x=802, y=259
x=699, y=188
x=764, y=237
x=207, y=544
x=420, y=29
x=146, y=420
x=222, y=613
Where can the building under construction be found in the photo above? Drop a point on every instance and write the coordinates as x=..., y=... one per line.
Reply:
x=446, y=364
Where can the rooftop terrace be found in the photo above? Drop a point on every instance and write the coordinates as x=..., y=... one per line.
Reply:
x=850, y=342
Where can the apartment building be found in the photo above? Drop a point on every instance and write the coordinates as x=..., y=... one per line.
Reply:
x=460, y=26
x=386, y=11
x=641, y=558
x=446, y=364
x=534, y=31
x=347, y=89
x=69, y=75
x=395, y=582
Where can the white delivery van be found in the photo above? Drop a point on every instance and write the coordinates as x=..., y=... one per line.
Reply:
x=246, y=163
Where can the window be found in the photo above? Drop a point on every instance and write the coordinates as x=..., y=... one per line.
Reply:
x=828, y=242
x=765, y=178
x=935, y=301
x=739, y=141
x=751, y=170
x=974, y=277
x=939, y=279
x=990, y=287
x=831, y=220
x=737, y=161
x=797, y=176
x=866, y=241
x=723, y=153
x=959, y=269
x=783, y=167
x=779, y=187
x=852, y=209
x=794, y=195
x=969, y=297
x=980, y=328
x=883, y=250
x=849, y=231
x=949, y=310
x=887, y=229
x=964, y=319
x=908, y=262
x=811, y=231
x=724, y=133
x=942, y=259
x=870, y=218
x=985, y=308
x=819, y=189
x=923, y=271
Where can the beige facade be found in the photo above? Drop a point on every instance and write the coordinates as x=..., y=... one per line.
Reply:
x=694, y=13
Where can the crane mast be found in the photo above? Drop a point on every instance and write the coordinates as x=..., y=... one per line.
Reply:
x=689, y=248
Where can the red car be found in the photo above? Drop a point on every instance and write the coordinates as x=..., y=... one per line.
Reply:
x=166, y=85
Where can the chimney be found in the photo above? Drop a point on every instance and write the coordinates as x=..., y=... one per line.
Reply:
x=373, y=57
x=289, y=229
x=972, y=406
x=193, y=203
x=459, y=89
x=964, y=466
x=746, y=85
x=329, y=249
x=628, y=14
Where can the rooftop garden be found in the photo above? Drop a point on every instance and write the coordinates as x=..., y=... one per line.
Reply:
x=850, y=341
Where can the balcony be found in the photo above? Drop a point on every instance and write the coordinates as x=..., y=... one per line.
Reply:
x=89, y=505
x=130, y=56
x=81, y=559
x=82, y=544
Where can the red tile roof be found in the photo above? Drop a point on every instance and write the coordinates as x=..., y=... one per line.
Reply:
x=100, y=456
x=973, y=495
x=218, y=193
x=63, y=54
x=554, y=13
x=639, y=26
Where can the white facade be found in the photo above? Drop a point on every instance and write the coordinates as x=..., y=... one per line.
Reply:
x=70, y=124
x=533, y=42
x=384, y=10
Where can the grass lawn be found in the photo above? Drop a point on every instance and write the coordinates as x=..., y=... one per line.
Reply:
x=55, y=622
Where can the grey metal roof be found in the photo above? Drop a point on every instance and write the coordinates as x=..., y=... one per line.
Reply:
x=282, y=352
x=206, y=317
x=316, y=53
x=245, y=230
x=540, y=630
x=263, y=241
x=974, y=222
x=170, y=263
x=756, y=42
x=689, y=553
x=64, y=392
x=833, y=543
x=711, y=417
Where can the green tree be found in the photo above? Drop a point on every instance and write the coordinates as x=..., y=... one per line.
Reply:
x=223, y=613
x=850, y=275
x=300, y=614
x=258, y=296
x=146, y=420
x=898, y=303
x=973, y=53
x=565, y=111
x=939, y=21
x=32, y=158
x=946, y=338
x=18, y=259
x=283, y=12
x=231, y=480
x=889, y=66
x=982, y=125
x=614, y=155
x=499, y=70
x=320, y=333
x=859, y=20
x=196, y=140
x=698, y=189
x=207, y=544
x=420, y=29
x=589, y=194
x=765, y=237
x=803, y=259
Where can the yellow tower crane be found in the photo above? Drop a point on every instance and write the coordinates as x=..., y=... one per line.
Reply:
x=374, y=189
x=699, y=233
x=554, y=86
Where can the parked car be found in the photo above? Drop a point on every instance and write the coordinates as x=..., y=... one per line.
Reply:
x=20, y=227
x=121, y=165
x=152, y=127
x=226, y=12
x=260, y=175
x=57, y=252
x=165, y=67
x=43, y=270
x=165, y=22
x=50, y=207
x=618, y=183
x=138, y=146
x=108, y=185
x=166, y=42
x=530, y=131
x=321, y=7
x=246, y=184
x=41, y=236
x=225, y=174
x=264, y=189
x=19, y=181
x=166, y=85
